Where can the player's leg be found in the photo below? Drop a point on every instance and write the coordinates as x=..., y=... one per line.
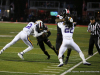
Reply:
x=28, y=42
x=91, y=46
x=57, y=47
x=16, y=38
x=47, y=41
x=58, y=42
x=97, y=44
x=41, y=44
x=63, y=48
x=76, y=48
x=68, y=54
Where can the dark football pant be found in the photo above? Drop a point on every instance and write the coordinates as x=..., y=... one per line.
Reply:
x=46, y=41
x=93, y=40
x=58, y=42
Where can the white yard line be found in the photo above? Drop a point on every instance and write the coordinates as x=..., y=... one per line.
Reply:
x=26, y=47
x=53, y=69
x=19, y=72
x=69, y=70
x=32, y=53
x=26, y=73
x=6, y=36
x=49, y=71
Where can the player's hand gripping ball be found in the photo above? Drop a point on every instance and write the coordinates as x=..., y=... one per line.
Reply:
x=44, y=35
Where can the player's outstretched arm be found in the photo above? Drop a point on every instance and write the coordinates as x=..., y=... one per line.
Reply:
x=36, y=34
x=59, y=20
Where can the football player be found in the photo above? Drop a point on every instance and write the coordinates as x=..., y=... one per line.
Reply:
x=44, y=38
x=59, y=39
x=67, y=29
x=23, y=35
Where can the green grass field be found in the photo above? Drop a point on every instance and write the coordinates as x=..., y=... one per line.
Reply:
x=35, y=62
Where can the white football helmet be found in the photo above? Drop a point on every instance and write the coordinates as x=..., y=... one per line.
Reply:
x=40, y=23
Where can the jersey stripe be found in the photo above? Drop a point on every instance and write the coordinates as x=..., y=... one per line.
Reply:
x=69, y=18
x=94, y=28
x=29, y=40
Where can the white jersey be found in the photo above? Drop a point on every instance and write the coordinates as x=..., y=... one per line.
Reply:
x=66, y=32
x=29, y=28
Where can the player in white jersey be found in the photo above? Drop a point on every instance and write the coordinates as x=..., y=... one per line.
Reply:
x=65, y=13
x=23, y=35
x=68, y=42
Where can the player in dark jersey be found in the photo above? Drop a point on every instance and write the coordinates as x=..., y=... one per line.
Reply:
x=44, y=39
x=59, y=36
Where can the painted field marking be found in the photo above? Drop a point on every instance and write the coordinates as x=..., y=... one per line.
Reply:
x=54, y=69
x=19, y=72
x=6, y=36
x=69, y=70
x=49, y=71
x=29, y=53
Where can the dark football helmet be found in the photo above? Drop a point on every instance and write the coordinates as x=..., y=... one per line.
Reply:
x=65, y=12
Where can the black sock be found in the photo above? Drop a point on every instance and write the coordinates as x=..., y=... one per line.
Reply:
x=55, y=51
x=46, y=53
x=68, y=52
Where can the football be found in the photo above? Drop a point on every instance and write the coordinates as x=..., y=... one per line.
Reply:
x=44, y=35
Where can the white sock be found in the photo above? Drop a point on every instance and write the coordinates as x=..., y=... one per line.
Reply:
x=82, y=57
x=2, y=50
x=61, y=60
x=27, y=49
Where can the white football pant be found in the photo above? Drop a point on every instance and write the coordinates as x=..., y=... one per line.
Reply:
x=70, y=44
x=21, y=36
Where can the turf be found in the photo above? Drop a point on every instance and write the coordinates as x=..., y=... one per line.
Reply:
x=35, y=62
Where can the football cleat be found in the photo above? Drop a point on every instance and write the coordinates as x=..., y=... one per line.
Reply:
x=61, y=64
x=48, y=57
x=87, y=63
x=1, y=51
x=21, y=56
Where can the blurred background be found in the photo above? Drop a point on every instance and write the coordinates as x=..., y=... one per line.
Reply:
x=46, y=10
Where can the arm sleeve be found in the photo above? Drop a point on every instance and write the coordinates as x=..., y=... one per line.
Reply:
x=98, y=30
x=49, y=33
x=89, y=28
x=60, y=24
x=36, y=34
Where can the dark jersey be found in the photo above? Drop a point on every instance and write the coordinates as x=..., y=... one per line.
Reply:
x=44, y=28
x=58, y=30
x=40, y=38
